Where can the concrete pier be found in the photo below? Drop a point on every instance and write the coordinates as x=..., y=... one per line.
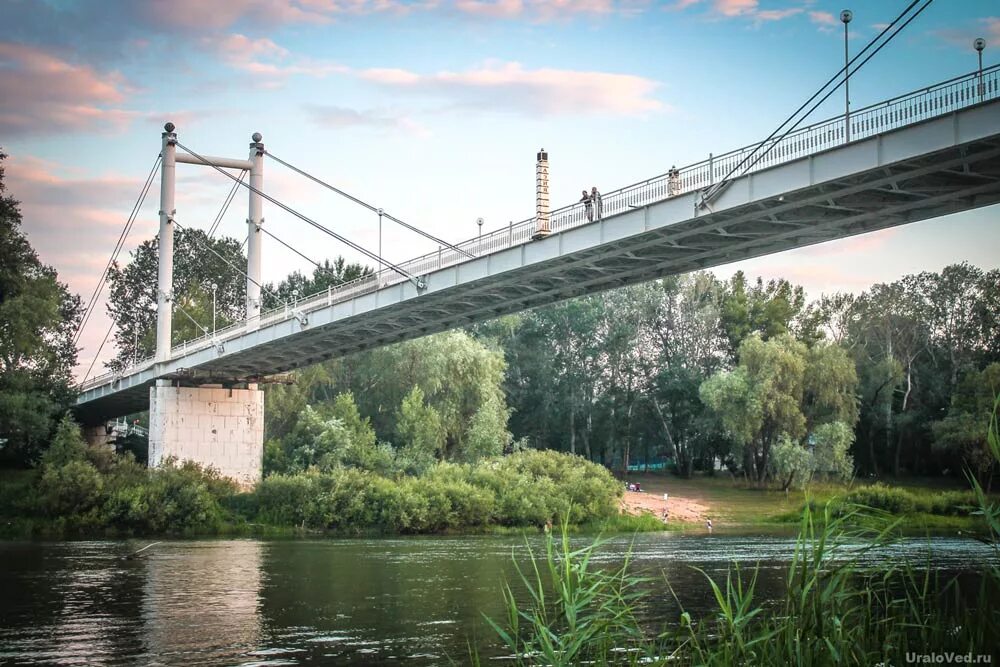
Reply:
x=210, y=425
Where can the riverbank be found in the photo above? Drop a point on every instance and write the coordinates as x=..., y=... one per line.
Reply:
x=453, y=502
x=734, y=505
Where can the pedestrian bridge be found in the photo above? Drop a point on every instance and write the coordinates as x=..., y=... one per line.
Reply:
x=929, y=153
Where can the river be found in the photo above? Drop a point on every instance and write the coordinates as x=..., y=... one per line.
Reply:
x=417, y=600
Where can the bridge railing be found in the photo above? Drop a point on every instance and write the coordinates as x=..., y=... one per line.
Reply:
x=913, y=107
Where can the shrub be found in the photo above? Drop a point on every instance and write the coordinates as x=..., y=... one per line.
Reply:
x=284, y=499
x=72, y=488
x=882, y=497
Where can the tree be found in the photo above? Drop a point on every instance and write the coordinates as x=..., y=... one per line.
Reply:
x=299, y=286
x=963, y=432
x=420, y=431
x=691, y=347
x=38, y=320
x=773, y=395
x=132, y=299
x=770, y=310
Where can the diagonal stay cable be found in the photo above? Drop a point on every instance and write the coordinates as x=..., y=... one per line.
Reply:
x=296, y=251
x=351, y=244
x=846, y=68
x=371, y=208
x=91, y=305
x=230, y=264
x=225, y=205
x=837, y=87
x=96, y=356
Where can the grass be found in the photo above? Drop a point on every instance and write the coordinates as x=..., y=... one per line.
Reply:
x=734, y=503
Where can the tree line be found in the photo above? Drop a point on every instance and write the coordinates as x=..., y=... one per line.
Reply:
x=750, y=375
x=693, y=371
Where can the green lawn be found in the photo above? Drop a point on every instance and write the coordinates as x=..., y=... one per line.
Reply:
x=733, y=502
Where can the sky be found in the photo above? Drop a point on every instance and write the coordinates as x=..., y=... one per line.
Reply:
x=434, y=110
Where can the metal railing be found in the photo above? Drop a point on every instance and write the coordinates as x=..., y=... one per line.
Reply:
x=923, y=104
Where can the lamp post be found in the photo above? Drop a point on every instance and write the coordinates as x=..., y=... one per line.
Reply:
x=380, y=213
x=979, y=45
x=215, y=288
x=479, y=221
x=845, y=17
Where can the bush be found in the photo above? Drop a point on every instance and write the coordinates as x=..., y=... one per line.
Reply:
x=73, y=488
x=882, y=497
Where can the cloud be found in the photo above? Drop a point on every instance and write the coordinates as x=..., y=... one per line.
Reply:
x=342, y=117
x=267, y=62
x=988, y=27
x=825, y=20
x=749, y=9
x=41, y=93
x=548, y=10
x=735, y=7
x=546, y=91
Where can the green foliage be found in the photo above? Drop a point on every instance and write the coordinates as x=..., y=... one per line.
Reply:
x=132, y=296
x=576, y=613
x=965, y=429
x=791, y=463
x=420, y=432
x=779, y=391
x=328, y=274
x=38, y=318
x=831, y=454
x=528, y=488
x=881, y=497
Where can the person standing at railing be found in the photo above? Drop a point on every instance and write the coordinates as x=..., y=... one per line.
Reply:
x=588, y=205
x=673, y=181
x=595, y=198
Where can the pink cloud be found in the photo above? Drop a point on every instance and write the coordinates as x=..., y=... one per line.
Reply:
x=825, y=20
x=735, y=7
x=491, y=8
x=39, y=92
x=548, y=10
x=511, y=87
x=742, y=9
x=269, y=63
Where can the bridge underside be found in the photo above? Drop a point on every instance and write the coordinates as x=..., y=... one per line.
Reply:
x=757, y=215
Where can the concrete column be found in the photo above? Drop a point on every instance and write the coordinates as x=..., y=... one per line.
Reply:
x=99, y=436
x=165, y=274
x=541, y=195
x=255, y=236
x=212, y=426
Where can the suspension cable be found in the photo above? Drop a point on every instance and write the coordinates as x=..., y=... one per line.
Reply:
x=716, y=188
x=91, y=305
x=297, y=252
x=228, y=263
x=371, y=208
x=834, y=89
x=225, y=206
x=96, y=356
x=351, y=244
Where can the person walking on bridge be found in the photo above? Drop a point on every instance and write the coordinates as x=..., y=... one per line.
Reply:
x=588, y=205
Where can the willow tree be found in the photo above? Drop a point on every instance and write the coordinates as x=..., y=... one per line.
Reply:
x=780, y=390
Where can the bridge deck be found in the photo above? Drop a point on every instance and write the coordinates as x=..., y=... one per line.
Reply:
x=928, y=154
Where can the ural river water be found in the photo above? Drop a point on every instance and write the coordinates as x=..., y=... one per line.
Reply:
x=343, y=602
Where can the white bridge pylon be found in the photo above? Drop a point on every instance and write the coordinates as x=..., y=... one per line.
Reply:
x=254, y=164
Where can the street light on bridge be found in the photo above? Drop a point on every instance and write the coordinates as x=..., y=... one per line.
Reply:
x=845, y=17
x=215, y=288
x=979, y=44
